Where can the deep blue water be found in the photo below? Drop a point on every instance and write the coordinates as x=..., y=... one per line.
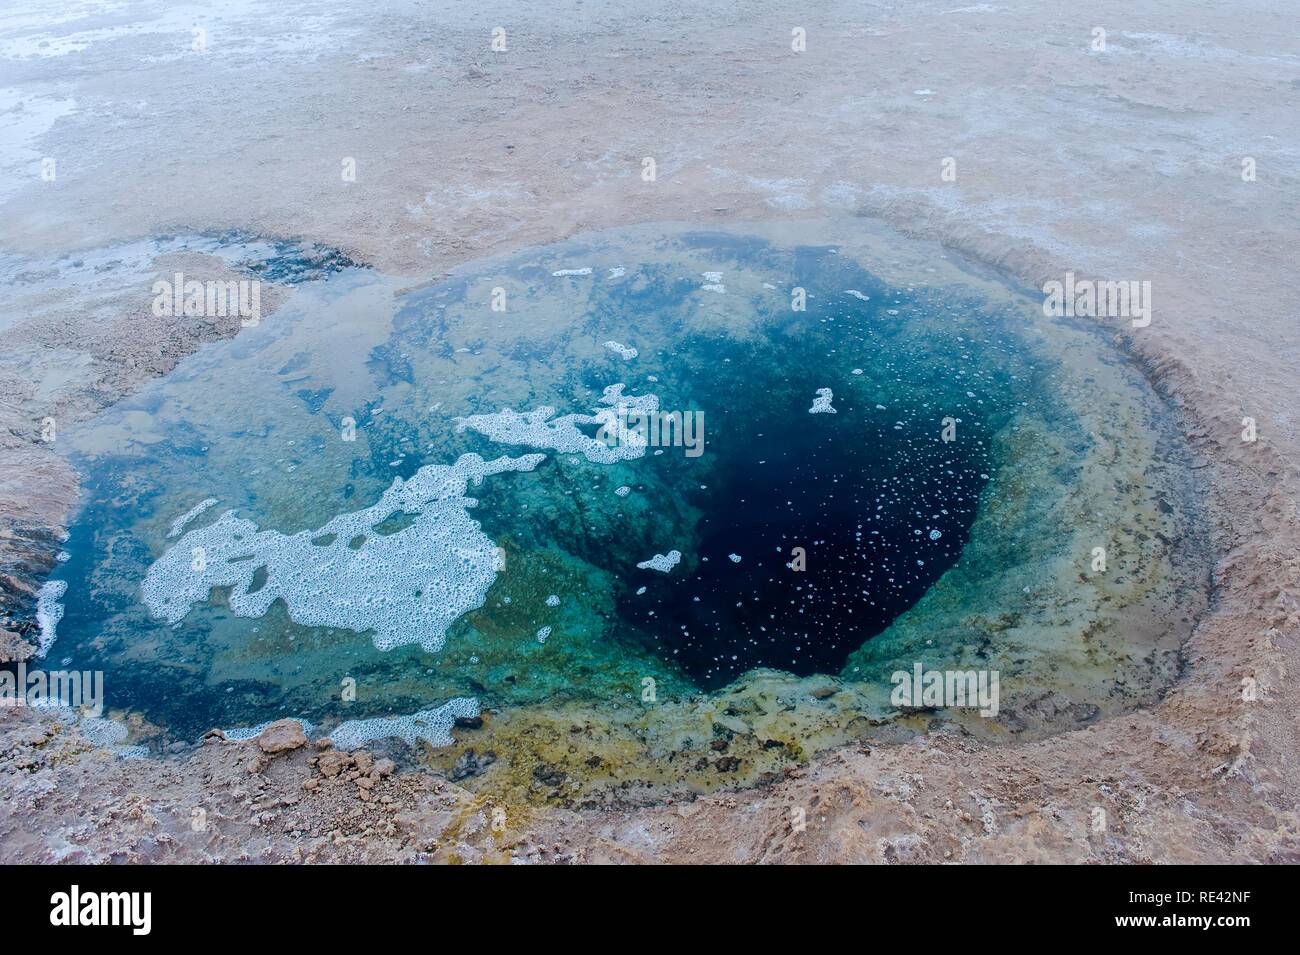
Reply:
x=878, y=502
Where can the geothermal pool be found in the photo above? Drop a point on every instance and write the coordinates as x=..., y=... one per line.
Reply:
x=631, y=495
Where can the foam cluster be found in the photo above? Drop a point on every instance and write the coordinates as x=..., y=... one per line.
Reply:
x=713, y=283
x=432, y=725
x=541, y=428
x=110, y=735
x=822, y=402
x=406, y=587
x=661, y=562
x=626, y=352
x=252, y=732
x=48, y=613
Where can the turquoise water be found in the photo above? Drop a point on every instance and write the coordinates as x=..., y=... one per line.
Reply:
x=802, y=535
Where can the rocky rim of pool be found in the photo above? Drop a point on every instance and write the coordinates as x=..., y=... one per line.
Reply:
x=902, y=462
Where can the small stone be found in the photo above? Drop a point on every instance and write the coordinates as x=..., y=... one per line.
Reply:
x=332, y=762
x=550, y=775
x=282, y=736
x=34, y=735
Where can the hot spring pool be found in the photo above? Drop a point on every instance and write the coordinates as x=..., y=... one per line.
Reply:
x=625, y=498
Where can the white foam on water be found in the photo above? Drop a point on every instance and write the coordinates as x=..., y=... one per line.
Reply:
x=48, y=613
x=252, y=732
x=432, y=725
x=858, y=295
x=617, y=272
x=542, y=634
x=625, y=352
x=406, y=587
x=822, y=403
x=563, y=272
x=541, y=429
x=178, y=525
x=661, y=562
x=623, y=491
x=712, y=276
x=715, y=287
x=553, y=601
x=109, y=734
x=734, y=558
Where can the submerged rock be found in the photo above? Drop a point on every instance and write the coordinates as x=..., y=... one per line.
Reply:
x=470, y=764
